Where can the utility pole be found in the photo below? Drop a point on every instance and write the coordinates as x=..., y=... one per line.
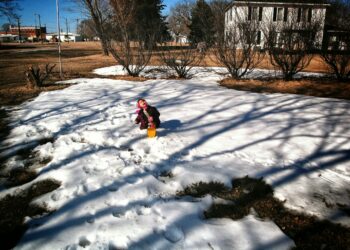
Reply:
x=19, y=29
x=67, y=30
x=35, y=20
x=41, y=38
x=59, y=36
x=40, y=34
x=77, y=25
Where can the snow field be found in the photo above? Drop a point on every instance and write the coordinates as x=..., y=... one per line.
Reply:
x=113, y=194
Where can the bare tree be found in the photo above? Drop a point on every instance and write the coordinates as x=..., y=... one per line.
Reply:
x=6, y=27
x=86, y=29
x=239, y=51
x=8, y=8
x=181, y=59
x=291, y=42
x=98, y=11
x=129, y=51
x=179, y=19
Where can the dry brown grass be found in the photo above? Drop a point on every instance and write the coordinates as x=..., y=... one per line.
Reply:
x=80, y=59
x=316, y=65
x=18, y=94
x=312, y=87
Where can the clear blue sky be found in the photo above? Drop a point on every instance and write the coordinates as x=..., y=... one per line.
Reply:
x=47, y=11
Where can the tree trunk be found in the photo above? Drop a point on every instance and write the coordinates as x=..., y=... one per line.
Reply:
x=104, y=47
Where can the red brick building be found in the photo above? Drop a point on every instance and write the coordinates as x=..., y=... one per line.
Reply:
x=28, y=32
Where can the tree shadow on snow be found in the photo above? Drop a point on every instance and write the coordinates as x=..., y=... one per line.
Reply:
x=288, y=121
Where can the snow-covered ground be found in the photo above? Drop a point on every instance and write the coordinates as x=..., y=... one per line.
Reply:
x=112, y=195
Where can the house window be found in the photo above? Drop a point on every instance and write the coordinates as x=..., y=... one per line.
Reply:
x=285, y=16
x=304, y=14
x=258, y=38
x=255, y=13
x=279, y=14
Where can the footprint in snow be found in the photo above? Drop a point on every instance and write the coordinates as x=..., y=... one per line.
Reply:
x=87, y=170
x=90, y=217
x=174, y=234
x=84, y=241
x=113, y=188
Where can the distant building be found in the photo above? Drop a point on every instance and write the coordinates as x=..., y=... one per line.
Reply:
x=65, y=37
x=277, y=11
x=183, y=39
x=30, y=33
x=7, y=38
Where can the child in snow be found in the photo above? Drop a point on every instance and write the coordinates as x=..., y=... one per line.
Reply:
x=147, y=115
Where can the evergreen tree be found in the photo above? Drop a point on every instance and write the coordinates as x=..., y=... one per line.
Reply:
x=202, y=24
x=149, y=23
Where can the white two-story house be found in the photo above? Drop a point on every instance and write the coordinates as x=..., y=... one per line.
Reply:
x=278, y=12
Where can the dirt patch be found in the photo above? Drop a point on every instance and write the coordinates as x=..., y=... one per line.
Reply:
x=18, y=94
x=249, y=195
x=319, y=87
x=14, y=208
x=127, y=78
x=30, y=160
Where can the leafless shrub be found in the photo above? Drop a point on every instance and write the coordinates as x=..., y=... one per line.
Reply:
x=36, y=75
x=239, y=52
x=181, y=59
x=291, y=42
x=338, y=62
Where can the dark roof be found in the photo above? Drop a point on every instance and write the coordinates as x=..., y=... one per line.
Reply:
x=323, y=3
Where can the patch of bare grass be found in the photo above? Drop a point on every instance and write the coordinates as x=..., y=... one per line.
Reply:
x=14, y=208
x=128, y=78
x=319, y=87
x=18, y=94
x=30, y=161
x=201, y=189
x=248, y=194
